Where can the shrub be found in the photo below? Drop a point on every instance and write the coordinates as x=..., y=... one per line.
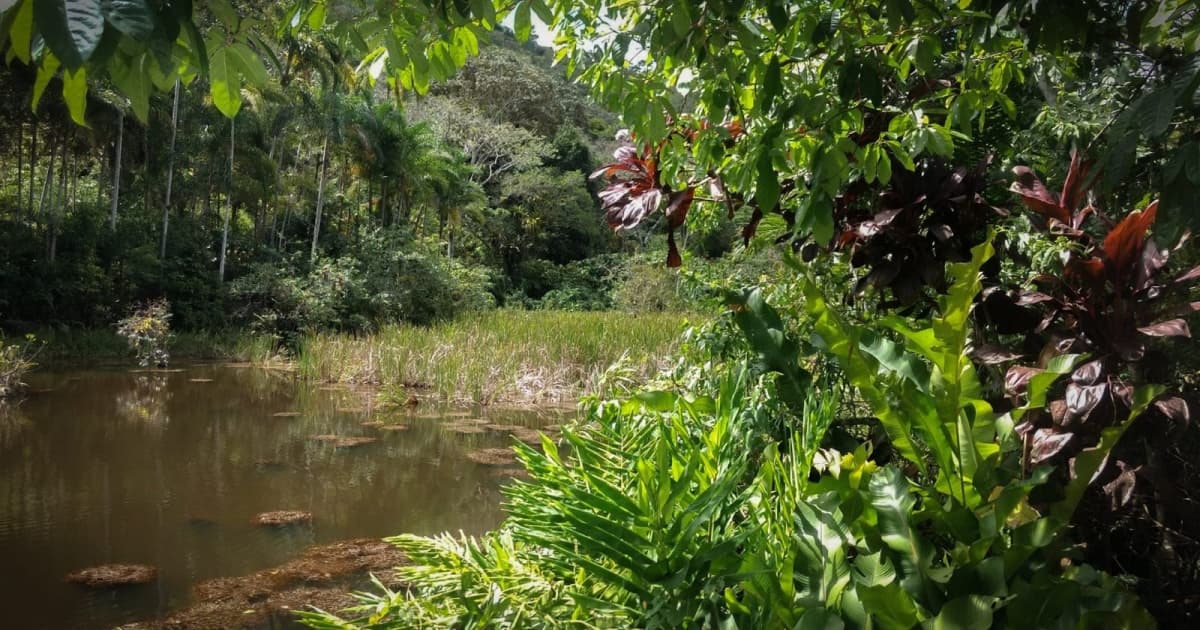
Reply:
x=147, y=330
x=656, y=518
x=16, y=360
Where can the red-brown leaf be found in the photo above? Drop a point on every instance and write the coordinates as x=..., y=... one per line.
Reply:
x=1073, y=188
x=1123, y=245
x=678, y=205
x=1174, y=408
x=1047, y=443
x=673, y=257
x=1082, y=399
x=1035, y=195
x=1016, y=379
x=1168, y=328
x=1121, y=488
x=1189, y=275
x=989, y=354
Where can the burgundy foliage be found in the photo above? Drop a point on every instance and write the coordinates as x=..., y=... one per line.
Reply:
x=1113, y=302
x=924, y=219
x=636, y=190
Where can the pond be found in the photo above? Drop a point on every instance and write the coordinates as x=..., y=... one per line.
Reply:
x=169, y=469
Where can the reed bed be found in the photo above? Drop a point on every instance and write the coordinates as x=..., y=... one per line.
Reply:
x=512, y=356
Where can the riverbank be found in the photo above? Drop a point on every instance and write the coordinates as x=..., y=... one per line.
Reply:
x=55, y=347
x=498, y=356
x=323, y=576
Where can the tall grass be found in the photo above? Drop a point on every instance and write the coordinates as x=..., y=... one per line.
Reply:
x=520, y=356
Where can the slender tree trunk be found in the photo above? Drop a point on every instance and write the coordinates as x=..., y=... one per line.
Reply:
x=47, y=190
x=74, y=182
x=383, y=203
x=60, y=207
x=147, y=160
x=162, y=250
x=20, y=168
x=208, y=192
x=32, y=165
x=116, y=186
x=312, y=254
x=229, y=209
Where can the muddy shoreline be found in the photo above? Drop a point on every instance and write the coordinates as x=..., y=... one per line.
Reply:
x=322, y=576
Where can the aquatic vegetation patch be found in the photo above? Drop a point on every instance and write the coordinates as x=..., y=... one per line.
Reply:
x=492, y=357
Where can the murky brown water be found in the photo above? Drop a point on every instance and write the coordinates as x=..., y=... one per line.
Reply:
x=103, y=466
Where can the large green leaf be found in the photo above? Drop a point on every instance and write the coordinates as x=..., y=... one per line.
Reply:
x=893, y=501
x=841, y=340
x=522, y=25
x=21, y=31
x=248, y=64
x=226, y=81
x=131, y=78
x=75, y=95
x=777, y=349
x=70, y=28
x=889, y=606
x=46, y=71
x=966, y=613
x=131, y=17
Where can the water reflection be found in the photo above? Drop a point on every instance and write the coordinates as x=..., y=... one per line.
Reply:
x=169, y=468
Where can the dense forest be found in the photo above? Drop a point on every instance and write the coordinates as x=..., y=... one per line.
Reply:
x=325, y=203
x=937, y=259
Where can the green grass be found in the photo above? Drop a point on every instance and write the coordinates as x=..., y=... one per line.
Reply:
x=517, y=356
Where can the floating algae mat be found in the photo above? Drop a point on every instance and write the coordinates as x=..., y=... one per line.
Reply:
x=112, y=478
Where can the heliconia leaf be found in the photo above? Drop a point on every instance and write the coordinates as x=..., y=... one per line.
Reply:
x=1168, y=328
x=1123, y=245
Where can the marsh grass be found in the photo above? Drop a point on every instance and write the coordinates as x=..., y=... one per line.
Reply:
x=517, y=356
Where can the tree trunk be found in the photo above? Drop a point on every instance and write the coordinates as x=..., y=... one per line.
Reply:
x=47, y=190
x=60, y=207
x=162, y=250
x=229, y=209
x=312, y=254
x=20, y=168
x=32, y=165
x=383, y=203
x=116, y=186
